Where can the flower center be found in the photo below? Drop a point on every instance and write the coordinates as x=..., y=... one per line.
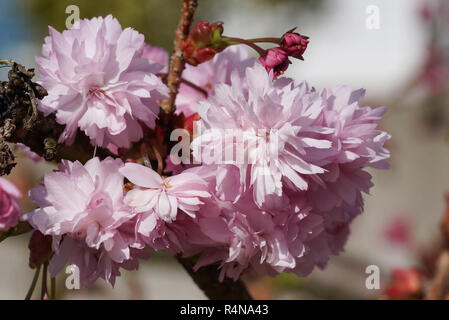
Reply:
x=96, y=90
x=165, y=183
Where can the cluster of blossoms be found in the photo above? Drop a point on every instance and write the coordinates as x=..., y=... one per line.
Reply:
x=290, y=208
x=285, y=210
x=95, y=225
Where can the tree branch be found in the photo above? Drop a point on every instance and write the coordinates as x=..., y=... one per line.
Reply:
x=20, y=228
x=207, y=279
x=177, y=62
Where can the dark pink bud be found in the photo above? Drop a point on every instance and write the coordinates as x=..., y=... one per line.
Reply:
x=275, y=59
x=40, y=248
x=294, y=44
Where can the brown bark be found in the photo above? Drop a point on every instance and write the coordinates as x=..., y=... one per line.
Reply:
x=177, y=62
x=207, y=279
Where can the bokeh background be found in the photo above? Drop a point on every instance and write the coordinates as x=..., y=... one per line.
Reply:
x=404, y=64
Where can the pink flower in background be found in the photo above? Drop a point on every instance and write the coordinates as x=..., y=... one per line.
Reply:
x=399, y=231
x=163, y=196
x=10, y=211
x=434, y=74
x=435, y=71
x=208, y=74
x=97, y=81
x=82, y=208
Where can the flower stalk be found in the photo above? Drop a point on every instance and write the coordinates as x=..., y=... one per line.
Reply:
x=33, y=283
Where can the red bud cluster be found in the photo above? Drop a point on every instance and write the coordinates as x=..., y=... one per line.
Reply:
x=203, y=42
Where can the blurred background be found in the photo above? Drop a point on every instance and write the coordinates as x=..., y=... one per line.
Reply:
x=403, y=62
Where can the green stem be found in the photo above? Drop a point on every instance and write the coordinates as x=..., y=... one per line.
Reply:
x=272, y=40
x=53, y=289
x=44, y=281
x=33, y=283
x=254, y=46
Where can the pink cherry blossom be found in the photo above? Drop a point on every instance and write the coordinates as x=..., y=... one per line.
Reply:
x=10, y=210
x=285, y=113
x=163, y=196
x=399, y=231
x=82, y=208
x=97, y=81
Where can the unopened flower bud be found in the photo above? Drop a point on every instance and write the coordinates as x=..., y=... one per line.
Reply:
x=275, y=59
x=294, y=44
x=40, y=249
x=203, y=42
